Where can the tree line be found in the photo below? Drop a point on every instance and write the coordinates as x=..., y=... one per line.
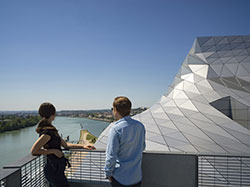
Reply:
x=14, y=122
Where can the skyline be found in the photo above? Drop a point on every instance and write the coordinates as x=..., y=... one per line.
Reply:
x=80, y=55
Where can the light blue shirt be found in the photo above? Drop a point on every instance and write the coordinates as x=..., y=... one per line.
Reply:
x=126, y=143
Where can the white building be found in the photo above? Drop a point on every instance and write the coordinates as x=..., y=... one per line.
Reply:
x=207, y=108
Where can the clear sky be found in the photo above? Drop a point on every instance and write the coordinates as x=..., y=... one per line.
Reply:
x=80, y=54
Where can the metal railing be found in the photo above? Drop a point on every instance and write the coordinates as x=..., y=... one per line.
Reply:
x=86, y=165
x=30, y=169
x=221, y=170
x=3, y=182
x=32, y=173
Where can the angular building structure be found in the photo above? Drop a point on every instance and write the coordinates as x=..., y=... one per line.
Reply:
x=207, y=108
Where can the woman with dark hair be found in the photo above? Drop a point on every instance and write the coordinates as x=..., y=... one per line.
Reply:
x=49, y=143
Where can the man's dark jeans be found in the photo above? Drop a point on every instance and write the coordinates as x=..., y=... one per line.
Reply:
x=115, y=183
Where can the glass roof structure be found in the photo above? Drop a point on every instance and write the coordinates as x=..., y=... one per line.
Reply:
x=207, y=107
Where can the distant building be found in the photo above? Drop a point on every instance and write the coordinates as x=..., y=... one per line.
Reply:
x=207, y=108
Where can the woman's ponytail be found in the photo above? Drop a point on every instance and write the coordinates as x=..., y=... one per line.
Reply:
x=46, y=110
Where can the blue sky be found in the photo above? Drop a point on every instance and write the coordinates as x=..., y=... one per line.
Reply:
x=80, y=54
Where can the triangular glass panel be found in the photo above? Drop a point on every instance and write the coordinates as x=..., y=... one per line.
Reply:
x=202, y=121
x=225, y=59
x=169, y=124
x=157, y=139
x=179, y=86
x=232, y=67
x=196, y=67
x=201, y=56
x=232, y=38
x=212, y=74
x=194, y=60
x=209, y=42
x=217, y=68
x=188, y=105
x=244, y=59
x=246, y=78
x=176, y=139
x=152, y=146
x=216, y=83
x=185, y=70
x=180, y=95
x=204, y=84
x=226, y=47
x=188, y=148
x=197, y=78
x=217, y=61
x=196, y=140
x=210, y=48
x=200, y=99
x=188, y=77
x=162, y=115
x=202, y=72
x=172, y=149
x=236, y=52
x=175, y=111
x=196, y=47
x=233, y=60
x=190, y=87
x=245, y=138
x=215, y=55
x=221, y=40
x=240, y=46
x=235, y=46
x=244, y=52
x=160, y=120
x=170, y=103
x=242, y=71
x=200, y=106
x=246, y=66
x=188, y=112
x=203, y=40
x=226, y=72
x=220, y=138
x=237, y=40
x=184, y=128
x=198, y=133
x=180, y=101
x=191, y=95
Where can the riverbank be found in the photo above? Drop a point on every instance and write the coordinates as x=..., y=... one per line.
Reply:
x=100, y=119
x=14, y=122
x=86, y=138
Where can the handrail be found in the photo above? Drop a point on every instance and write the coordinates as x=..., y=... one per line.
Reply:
x=21, y=162
x=88, y=165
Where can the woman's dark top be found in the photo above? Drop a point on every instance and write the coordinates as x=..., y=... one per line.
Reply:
x=54, y=142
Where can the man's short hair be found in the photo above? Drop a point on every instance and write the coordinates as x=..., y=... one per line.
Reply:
x=122, y=105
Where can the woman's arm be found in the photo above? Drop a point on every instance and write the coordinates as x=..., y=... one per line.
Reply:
x=75, y=146
x=38, y=150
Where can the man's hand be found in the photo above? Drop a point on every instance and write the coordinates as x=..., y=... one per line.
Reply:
x=110, y=179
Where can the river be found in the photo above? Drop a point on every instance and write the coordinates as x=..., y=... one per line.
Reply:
x=16, y=144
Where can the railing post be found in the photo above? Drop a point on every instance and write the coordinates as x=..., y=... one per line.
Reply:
x=14, y=179
x=10, y=177
x=197, y=170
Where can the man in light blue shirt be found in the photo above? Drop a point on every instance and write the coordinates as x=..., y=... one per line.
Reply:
x=125, y=146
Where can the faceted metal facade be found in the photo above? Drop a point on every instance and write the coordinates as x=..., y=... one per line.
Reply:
x=207, y=108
